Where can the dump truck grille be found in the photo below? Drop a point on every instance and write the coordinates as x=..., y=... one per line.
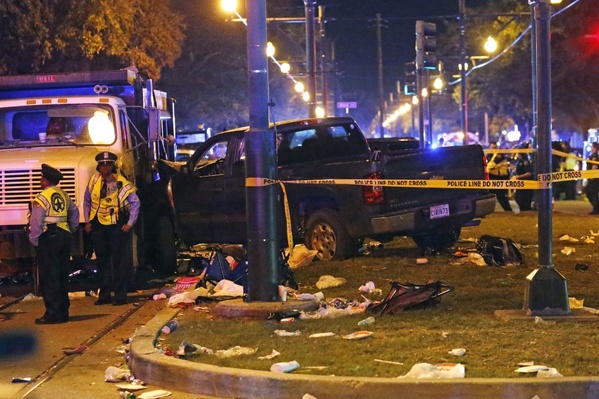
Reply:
x=19, y=187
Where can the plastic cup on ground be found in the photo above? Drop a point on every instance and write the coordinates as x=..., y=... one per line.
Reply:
x=42, y=137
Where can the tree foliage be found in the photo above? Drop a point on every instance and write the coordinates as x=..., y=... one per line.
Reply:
x=503, y=88
x=67, y=35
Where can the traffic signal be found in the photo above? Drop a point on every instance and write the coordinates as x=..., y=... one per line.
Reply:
x=426, y=45
x=409, y=78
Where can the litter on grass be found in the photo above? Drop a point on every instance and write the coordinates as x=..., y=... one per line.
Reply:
x=284, y=367
x=436, y=371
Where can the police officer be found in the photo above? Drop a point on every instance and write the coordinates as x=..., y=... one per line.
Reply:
x=523, y=170
x=111, y=208
x=53, y=217
x=499, y=169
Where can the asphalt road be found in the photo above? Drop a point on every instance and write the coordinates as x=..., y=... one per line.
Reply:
x=58, y=375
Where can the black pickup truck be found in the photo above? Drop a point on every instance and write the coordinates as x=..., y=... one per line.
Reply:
x=208, y=191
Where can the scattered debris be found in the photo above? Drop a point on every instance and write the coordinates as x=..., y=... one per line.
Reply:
x=575, y=303
x=235, y=351
x=322, y=335
x=540, y=320
x=550, y=373
x=566, y=237
x=115, y=374
x=327, y=281
x=427, y=370
x=76, y=350
x=568, y=251
x=457, y=352
x=367, y=321
x=284, y=367
x=388, y=362
x=581, y=266
x=272, y=355
x=421, y=261
x=358, y=335
x=531, y=369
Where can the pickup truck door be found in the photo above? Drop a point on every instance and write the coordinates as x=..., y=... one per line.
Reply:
x=199, y=195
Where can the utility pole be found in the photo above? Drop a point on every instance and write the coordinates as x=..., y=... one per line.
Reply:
x=311, y=55
x=546, y=289
x=380, y=63
x=463, y=60
x=263, y=245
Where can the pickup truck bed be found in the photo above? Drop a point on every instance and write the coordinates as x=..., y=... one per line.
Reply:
x=209, y=190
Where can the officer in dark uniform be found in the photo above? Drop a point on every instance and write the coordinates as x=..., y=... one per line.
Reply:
x=111, y=208
x=498, y=166
x=53, y=217
x=592, y=188
x=523, y=170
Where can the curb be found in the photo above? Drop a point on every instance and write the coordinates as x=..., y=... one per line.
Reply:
x=224, y=382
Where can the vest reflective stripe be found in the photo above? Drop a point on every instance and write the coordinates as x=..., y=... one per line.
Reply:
x=54, y=214
x=107, y=209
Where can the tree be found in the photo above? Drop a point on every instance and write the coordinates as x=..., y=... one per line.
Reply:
x=68, y=35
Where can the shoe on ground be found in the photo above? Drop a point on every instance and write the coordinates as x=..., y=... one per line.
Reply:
x=43, y=320
x=102, y=301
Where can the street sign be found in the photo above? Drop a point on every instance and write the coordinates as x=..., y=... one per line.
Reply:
x=347, y=104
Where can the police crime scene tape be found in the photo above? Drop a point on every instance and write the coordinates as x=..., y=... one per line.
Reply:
x=543, y=182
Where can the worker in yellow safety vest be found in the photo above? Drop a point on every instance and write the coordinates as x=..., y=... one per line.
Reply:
x=52, y=219
x=111, y=208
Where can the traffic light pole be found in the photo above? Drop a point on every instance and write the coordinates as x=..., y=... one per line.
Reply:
x=546, y=289
x=463, y=60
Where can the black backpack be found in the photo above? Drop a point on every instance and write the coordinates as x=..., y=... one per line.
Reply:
x=499, y=251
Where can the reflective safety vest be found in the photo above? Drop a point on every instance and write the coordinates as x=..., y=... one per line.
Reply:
x=56, y=204
x=107, y=209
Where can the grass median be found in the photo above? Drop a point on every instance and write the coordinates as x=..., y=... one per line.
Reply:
x=463, y=319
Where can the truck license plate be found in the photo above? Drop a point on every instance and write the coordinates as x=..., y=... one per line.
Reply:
x=439, y=211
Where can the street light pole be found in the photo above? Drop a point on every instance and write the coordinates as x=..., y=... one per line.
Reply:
x=546, y=289
x=310, y=5
x=463, y=60
x=260, y=162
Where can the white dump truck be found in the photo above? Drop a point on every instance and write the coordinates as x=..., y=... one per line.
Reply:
x=65, y=120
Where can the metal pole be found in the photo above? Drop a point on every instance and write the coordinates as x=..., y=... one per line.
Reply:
x=311, y=56
x=463, y=60
x=324, y=49
x=546, y=290
x=380, y=65
x=263, y=246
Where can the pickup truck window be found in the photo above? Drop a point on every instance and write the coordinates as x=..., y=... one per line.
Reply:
x=211, y=162
x=320, y=143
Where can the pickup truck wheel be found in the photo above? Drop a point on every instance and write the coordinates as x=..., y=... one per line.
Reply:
x=326, y=234
x=438, y=241
x=165, y=251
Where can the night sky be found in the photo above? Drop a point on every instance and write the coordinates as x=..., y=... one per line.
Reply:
x=352, y=26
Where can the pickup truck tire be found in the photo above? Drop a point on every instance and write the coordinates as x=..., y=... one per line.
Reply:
x=165, y=251
x=438, y=240
x=327, y=234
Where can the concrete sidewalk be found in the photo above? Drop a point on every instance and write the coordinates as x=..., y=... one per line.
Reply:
x=222, y=382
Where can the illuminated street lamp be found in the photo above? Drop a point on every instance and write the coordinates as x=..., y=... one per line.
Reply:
x=490, y=45
x=285, y=67
x=299, y=87
x=438, y=83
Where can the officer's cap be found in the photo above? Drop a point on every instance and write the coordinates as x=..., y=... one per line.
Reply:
x=51, y=174
x=106, y=158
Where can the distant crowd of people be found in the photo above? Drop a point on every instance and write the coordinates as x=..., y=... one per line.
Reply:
x=519, y=166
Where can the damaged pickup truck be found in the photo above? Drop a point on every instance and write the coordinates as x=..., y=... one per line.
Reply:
x=208, y=191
